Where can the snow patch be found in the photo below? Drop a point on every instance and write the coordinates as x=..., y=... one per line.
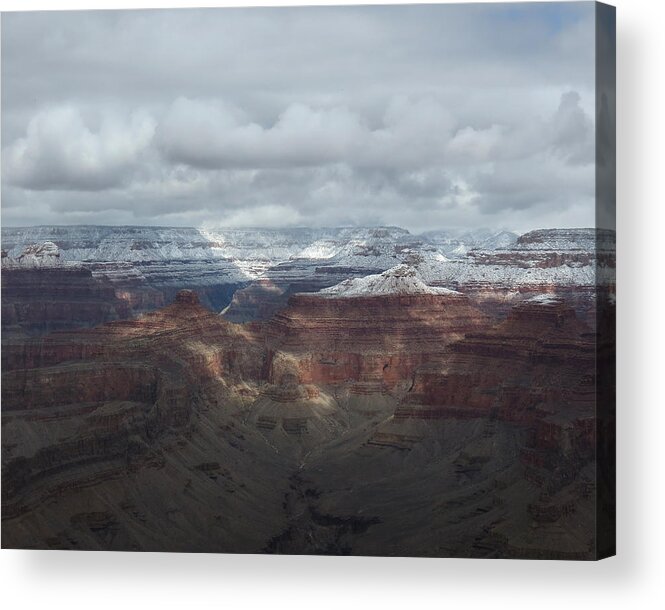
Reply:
x=545, y=299
x=400, y=280
x=46, y=254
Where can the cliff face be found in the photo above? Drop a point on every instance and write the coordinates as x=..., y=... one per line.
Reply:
x=112, y=403
x=178, y=430
x=37, y=299
x=251, y=272
x=536, y=373
x=367, y=338
x=259, y=301
x=539, y=358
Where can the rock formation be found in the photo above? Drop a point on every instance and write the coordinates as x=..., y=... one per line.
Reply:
x=571, y=263
x=381, y=416
x=41, y=298
x=374, y=329
x=250, y=273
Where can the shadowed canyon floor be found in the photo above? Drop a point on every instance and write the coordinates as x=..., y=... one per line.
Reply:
x=389, y=423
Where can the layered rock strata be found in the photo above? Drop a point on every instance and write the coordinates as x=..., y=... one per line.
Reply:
x=380, y=417
x=147, y=265
x=41, y=299
x=375, y=329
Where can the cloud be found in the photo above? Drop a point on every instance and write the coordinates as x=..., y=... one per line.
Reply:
x=271, y=215
x=61, y=152
x=214, y=135
x=415, y=115
x=476, y=144
x=573, y=131
x=208, y=159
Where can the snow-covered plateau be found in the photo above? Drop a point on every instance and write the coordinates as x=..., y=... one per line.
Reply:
x=218, y=262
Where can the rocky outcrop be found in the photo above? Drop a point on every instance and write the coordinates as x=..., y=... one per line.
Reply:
x=344, y=334
x=42, y=293
x=111, y=394
x=37, y=255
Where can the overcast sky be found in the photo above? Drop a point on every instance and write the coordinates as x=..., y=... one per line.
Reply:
x=418, y=116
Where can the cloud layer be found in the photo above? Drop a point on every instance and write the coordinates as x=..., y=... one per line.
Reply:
x=419, y=116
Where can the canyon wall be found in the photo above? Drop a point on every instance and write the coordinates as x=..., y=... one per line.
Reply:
x=277, y=436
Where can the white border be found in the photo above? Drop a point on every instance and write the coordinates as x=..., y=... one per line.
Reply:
x=70, y=580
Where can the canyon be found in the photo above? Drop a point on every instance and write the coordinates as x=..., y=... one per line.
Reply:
x=415, y=403
x=249, y=274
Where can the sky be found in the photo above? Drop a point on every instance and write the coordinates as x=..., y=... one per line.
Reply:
x=424, y=117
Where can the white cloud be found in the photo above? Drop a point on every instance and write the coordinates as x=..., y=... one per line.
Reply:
x=270, y=215
x=215, y=135
x=60, y=151
x=573, y=131
x=417, y=115
x=477, y=145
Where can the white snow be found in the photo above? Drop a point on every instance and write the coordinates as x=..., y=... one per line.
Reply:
x=44, y=254
x=400, y=280
x=469, y=272
x=448, y=258
x=321, y=249
x=544, y=299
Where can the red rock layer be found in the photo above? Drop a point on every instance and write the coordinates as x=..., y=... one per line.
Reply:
x=498, y=302
x=536, y=368
x=374, y=338
x=48, y=387
x=183, y=337
x=541, y=353
x=126, y=386
x=38, y=300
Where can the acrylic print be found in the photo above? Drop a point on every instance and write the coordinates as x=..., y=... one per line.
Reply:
x=330, y=280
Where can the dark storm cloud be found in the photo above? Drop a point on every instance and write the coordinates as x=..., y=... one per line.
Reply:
x=418, y=116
